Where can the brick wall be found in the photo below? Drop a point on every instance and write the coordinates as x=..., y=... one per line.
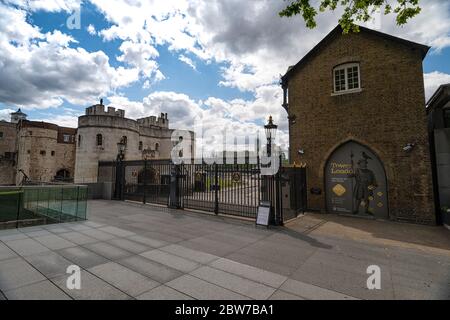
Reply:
x=387, y=114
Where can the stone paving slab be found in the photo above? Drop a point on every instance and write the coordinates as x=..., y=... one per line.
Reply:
x=116, y=231
x=283, y=295
x=129, y=245
x=54, y=242
x=195, y=255
x=200, y=289
x=44, y=290
x=82, y=257
x=311, y=292
x=16, y=273
x=108, y=250
x=92, y=288
x=9, y=236
x=234, y=283
x=259, y=275
x=49, y=263
x=6, y=253
x=78, y=238
x=170, y=260
x=151, y=269
x=26, y=247
x=98, y=234
x=154, y=243
x=163, y=293
x=123, y=278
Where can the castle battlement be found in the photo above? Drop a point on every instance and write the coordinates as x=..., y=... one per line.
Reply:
x=162, y=121
x=99, y=109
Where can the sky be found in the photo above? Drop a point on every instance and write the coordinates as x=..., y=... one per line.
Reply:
x=213, y=62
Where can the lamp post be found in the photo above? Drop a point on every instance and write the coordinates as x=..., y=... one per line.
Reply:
x=118, y=192
x=271, y=131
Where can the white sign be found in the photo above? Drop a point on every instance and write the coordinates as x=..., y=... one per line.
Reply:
x=263, y=216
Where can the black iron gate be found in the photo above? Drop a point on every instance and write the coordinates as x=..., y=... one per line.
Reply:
x=232, y=189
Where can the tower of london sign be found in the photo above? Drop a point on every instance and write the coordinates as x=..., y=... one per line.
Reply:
x=355, y=182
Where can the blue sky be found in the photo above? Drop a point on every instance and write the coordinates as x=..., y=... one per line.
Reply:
x=219, y=60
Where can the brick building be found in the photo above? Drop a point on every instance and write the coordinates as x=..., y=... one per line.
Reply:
x=357, y=118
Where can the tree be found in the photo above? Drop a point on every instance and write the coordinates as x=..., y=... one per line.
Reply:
x=354, y=10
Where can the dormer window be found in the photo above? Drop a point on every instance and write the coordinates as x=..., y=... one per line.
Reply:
x=347, y=78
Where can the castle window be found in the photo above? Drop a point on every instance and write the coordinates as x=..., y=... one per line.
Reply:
x=125, y=140
x=42, y=152
x=66, y=138
x=99, y=140
x=140, y=145
x=446, y=118
x=157, y=146
x=79, y=140
x=1, y=135
x=53, y=153
x=347, y=78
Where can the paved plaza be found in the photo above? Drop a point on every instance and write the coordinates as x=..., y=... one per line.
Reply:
x=133, y=251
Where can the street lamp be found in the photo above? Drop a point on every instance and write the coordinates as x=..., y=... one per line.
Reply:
x=118, y=192
x=271, y=131
x=121, y=145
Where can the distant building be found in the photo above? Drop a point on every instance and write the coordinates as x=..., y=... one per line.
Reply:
x=100, y=130
x=357, y=118
x=35, y=151
x=438, y=109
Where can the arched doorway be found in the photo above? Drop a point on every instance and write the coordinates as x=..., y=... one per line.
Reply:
x=62, y=175
x=355, y=182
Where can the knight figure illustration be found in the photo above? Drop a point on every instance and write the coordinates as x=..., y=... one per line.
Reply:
x=365, y=184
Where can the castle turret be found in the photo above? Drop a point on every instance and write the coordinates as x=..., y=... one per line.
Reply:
x=17, y=116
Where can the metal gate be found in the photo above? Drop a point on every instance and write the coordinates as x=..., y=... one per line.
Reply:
x=232, y=189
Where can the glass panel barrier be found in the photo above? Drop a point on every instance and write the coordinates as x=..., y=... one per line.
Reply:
x=36, y=205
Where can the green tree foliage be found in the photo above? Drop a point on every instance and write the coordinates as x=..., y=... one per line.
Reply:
x=354, y=10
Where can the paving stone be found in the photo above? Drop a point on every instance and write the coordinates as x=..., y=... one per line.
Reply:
x=123, y=278
x=26, y=247
x=49, y=263
x=262, y=263
x=283, y=295
x=92, y=288
x=82, y=257
x=259, y=275
x=92, y=224
x=312, y=292
x=129, y=245
x=38, y=233
x=56, y=229
x=163, y=293
x=151, y=269
x=44, y=290
x=108, y=250
x=235, y=283
x=78, y=227
x=6, y=253
x=97, y=234
x=16, y=273
x=54, y=242
x=170, y=260
x=148, y=241
x=9, y=236
x=116, y=231
x=77, y=238
x=190, y=254
x=203, y=290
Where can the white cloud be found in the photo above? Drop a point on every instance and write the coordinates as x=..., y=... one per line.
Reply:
x=41, y=70
x=5, y=114
x=433, y=80
x=188, y=61
x=91, y=30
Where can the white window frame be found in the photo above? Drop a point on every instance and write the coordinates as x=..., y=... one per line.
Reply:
x=66, y=136
x=345, y=67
